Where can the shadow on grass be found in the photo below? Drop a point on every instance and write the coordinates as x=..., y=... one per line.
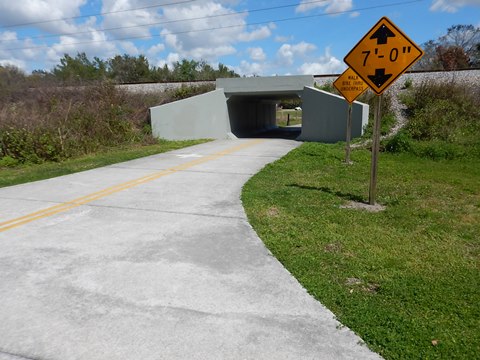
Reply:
x=351, y=197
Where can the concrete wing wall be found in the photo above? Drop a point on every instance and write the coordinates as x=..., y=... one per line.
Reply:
x=199, y=117
x=324, y=116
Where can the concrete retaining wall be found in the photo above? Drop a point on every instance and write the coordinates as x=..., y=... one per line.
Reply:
x=325, y=116
x=200, y=117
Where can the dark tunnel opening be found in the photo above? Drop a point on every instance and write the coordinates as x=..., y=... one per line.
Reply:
x=264, y=117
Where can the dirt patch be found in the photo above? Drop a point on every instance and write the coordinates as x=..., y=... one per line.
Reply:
x=362, y=206
x=273, y=212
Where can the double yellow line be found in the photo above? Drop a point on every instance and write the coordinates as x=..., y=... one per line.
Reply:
x=13, y=223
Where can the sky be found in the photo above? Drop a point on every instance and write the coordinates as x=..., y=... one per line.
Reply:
x=252, y=37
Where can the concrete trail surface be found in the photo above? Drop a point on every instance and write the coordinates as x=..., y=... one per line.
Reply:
x=154, y=259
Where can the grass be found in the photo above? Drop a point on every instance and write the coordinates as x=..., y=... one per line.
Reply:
x=32, y=172
x=295, y=117
x=406, y=279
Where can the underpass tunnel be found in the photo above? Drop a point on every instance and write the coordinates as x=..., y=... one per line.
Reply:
x=260, y=116
x=247, y=107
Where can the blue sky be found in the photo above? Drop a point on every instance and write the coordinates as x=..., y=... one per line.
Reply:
x=263, y=37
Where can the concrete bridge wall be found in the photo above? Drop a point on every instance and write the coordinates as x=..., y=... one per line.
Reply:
x=200, y=117
x=324, y=117
x=247, y=106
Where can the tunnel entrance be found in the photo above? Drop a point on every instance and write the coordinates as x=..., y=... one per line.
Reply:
x=265, y=116
x=253, y=105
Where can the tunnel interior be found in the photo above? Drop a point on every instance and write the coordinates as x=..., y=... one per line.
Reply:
x=257, y=116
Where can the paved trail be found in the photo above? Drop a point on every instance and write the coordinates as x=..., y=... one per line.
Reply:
x=154, y=259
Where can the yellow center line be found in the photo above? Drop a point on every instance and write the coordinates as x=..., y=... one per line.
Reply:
x=40, y=214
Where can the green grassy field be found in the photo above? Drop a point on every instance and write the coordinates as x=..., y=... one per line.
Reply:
x=32, y=172
x=295, y=117
x=405, y=279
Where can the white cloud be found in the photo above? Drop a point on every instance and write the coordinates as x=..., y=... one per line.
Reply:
x=452, y=5
x=22, y=55
x=187, y=37
x=94, y=43
x=256, y=54
x=171, y=58
x=207, y=52
x=331, y=6
x=46, y=52
x=195, y=39
x=27, y=11
x=250, y=69
x=326, y=64
x=155, y=49
x=257, y=34
x=283, y=39
x=287, y=53
x=21, y=64
x=129, y=47
x=129, y=21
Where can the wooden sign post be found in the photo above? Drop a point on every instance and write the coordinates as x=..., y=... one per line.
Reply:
x=379, y=58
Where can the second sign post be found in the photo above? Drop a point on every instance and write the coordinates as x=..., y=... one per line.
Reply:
x=350, y=86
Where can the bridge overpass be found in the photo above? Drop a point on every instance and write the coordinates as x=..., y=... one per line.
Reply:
x=246, y=107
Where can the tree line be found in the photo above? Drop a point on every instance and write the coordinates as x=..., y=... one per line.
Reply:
x=121, y=69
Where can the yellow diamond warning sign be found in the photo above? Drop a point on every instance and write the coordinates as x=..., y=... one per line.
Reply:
x=382, y=55
x=350, y=85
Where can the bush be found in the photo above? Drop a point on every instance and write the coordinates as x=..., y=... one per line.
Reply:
x=184, y=92
x=439, y=150
x=328, y=87
x=444, y=115
x=291, y=103
x=401, y=142
x=53, y=123
x=8, y=161
x=388, y=117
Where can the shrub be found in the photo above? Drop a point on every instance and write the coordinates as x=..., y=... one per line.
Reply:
x=438, y=150
x=8, y=161
x=188, y=91
x=401, y=142
x=444, y=112
x=53, y=123
x=291, y=103
x=328, y=87
x=388, y=117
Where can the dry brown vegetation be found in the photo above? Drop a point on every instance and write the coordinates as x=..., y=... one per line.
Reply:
x=54, y=123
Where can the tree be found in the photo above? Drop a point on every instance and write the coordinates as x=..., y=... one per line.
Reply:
x=459, y=48
x=185, y=70
x=206, y=72
x=129, y=69
x=429, y=61
x=225, y=72
x=466, y=37
x=161, y=74
x=452, y=58
x=12, y=79
x=79, y=69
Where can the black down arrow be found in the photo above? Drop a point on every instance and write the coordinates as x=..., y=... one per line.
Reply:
x=380, y=77
x=382, y=35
